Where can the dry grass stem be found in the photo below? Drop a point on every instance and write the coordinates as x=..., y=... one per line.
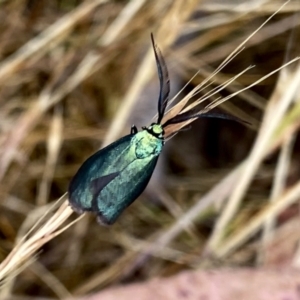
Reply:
x=278, y=105
x=47, y=39
x=279, y=184
x=272, y=210
x=75, y=75
x=27, y=247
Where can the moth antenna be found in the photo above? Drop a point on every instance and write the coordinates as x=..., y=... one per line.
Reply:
x=188, y=116
x=164, y=81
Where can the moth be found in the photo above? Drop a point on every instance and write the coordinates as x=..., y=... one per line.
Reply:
x=115, y=176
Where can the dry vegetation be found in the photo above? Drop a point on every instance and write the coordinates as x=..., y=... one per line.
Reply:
x=74, y=75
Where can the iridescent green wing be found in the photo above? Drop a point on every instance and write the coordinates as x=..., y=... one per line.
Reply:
x=104, y=165
x=122, y=190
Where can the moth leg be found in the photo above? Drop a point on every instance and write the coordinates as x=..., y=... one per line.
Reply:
x=133, y=130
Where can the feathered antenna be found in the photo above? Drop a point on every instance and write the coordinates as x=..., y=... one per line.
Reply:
x=164, y=81
x=164, y=92
x=197, y=115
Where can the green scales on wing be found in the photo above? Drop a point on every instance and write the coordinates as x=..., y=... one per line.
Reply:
x=112, y=178
x=115, y=176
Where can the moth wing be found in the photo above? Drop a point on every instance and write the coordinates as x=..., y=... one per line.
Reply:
x=95, y=172
x=98, y=184
x=123, y=190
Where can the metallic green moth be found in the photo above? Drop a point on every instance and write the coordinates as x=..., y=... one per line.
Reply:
x=111, y=179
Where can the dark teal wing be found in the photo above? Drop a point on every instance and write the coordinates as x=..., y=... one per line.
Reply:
x=116, y=196
x=99, y=167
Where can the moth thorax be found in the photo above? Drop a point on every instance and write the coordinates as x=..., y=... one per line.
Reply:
x=146, y=144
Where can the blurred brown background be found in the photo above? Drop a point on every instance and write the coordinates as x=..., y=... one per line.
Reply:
x=75, y=75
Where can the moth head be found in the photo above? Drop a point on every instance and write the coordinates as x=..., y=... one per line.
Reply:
x=156, y=130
